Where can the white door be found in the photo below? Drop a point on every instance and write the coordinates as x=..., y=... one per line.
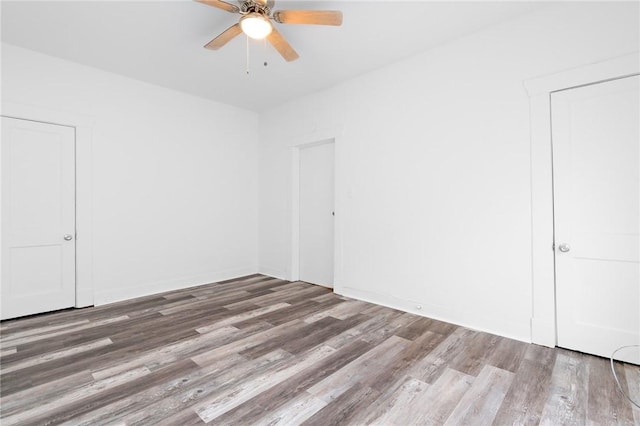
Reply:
x=595, y=131
x=316, y=214
x=38, y=217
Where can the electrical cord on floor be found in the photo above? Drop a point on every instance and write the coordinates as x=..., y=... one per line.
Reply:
x=615, y=376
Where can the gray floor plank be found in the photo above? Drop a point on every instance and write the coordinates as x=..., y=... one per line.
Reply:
x=605, y=401
x=527, y=395
x=481, y=403
x=567, y=397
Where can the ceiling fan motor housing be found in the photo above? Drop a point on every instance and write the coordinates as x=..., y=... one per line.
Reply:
x=251, y=6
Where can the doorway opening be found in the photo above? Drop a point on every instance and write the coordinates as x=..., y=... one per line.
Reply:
x=313, y=213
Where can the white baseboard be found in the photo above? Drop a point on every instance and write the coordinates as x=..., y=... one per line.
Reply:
x=116, y=295
x=487, y=323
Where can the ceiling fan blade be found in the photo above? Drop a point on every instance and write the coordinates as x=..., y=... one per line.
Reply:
x=221, y=5
x=224, y=38
x=315, y=17
x=282, y=46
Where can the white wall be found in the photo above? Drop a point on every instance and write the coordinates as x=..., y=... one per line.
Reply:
x=433, y=167
x=174, y=176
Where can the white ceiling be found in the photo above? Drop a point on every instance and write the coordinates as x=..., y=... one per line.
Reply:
x=161, y=42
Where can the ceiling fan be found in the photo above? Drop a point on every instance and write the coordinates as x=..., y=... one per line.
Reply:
x=256, y=23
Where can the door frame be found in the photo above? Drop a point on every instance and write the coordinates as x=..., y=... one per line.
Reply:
x=316, y=139
x=83, y=126
x=539, y=90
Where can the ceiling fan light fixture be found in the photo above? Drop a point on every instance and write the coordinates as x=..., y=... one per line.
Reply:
x=256, y=25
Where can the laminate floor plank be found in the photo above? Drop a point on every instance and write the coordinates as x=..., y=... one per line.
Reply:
x=182, y=418
x=216, y=381
x=209, y=302
x=161, y=400
x=397, y=407
x=258, y=350
x=567, y=397
x=293, y=412
x=273, y=284
x=71, y=315
x=525, y=399
x=162, y=355
x=321, y=334
x=53, y=355
x=240, y=317
x=299, y=296
x=65, y=337
x=603, y=403
x=443, y=397
x=241, y=392
x=38, y=408
x=296, y=292
x=16, y=335
x=246, y=343
x=274, y=397
x=484, y=398
x=414, y=329
x=632, y=375
x=360, y=369
x=440, y=327
x=37, y=395
x=121, y=308
x=404, y=360
x=79, y=335
x=93, y=358
x=477, y=347
x=429, y=368
x=346, y=409
x=507, y=355
x=295, y=311
x=85, y=404
x=295, y=334
x=383, y=333
x=361, y=330
x=340, y=311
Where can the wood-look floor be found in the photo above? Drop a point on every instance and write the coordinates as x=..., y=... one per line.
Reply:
x=258, y=350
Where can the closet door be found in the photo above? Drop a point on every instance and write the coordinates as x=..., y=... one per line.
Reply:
x=38, y=217
x=316, y=214
x=595, y=132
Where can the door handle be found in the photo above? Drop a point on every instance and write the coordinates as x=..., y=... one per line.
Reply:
x=68, y=237
x=564, y=247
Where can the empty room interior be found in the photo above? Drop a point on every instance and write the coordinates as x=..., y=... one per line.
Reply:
x=264, y=212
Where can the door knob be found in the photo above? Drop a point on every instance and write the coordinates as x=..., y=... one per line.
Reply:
x=564, y=247
x=68, y=237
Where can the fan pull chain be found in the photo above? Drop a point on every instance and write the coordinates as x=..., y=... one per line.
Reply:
x=247, y=37
x=264, y=43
